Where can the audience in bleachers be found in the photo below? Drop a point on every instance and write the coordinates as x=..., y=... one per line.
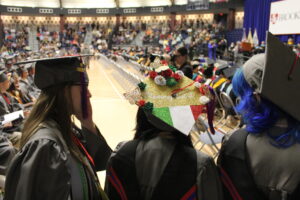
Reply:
x=198, y=49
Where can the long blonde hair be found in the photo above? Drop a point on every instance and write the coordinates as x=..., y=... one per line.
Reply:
x=54, y=103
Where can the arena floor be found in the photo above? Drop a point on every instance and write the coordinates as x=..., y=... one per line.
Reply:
x=114, y=116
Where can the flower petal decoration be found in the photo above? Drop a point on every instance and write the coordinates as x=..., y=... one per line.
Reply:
x=177, y=77
x=153, y=74
x=173, y=68
x=148, y=106
x=204, y=100
x=160, y=80
x=142, y=86
x=171, y=82
x=167, y=73
x=141, y=103
x=180, y=73
x=197, y=84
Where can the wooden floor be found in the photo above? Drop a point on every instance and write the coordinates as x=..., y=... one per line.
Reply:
x=114, y=116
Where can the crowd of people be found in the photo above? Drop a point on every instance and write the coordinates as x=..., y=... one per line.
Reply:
x=44, y=154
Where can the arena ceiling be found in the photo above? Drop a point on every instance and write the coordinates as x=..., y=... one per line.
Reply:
x=90, y=3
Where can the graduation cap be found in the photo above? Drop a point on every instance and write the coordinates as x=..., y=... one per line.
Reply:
x=210, y=61
x=229, y=72
x=54, y=71
x=220, y=69
x=171, y=101
x=3, y=76
x=276, y=75
x=2, y=66
x=9, y=57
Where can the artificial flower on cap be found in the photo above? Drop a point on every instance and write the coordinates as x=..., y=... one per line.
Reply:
x=58, y=70
x=173, y=101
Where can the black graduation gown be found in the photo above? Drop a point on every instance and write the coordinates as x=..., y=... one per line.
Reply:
x=252, y=168
x=161, y=168
x=28, y=90
x=45, y=169
x=7, y=152
x=9, y=104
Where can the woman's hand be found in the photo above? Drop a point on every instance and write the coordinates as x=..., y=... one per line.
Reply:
x=88, y=122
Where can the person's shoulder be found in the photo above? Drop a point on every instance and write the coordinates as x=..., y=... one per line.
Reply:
x=236, y=136
x=125, y=148
x=235, y=143
x=203, y=159
x=44, y=139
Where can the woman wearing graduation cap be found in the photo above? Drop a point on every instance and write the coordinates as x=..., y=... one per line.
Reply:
x=160, y=162
x=262, y=161
x=57, y=160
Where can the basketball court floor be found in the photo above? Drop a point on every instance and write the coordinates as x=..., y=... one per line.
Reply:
x=113, y=115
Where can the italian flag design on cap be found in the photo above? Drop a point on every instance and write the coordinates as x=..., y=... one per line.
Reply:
x=182, y=118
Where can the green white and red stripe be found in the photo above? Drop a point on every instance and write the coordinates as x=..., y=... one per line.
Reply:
x=180, y=117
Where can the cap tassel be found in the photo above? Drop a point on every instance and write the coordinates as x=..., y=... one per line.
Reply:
x=83, y=93
x=83, y=96
x=210, y=111
x=210, y=107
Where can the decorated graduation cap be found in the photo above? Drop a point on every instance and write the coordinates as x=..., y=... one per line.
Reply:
x=276, y=76
x=54, y=71
x=172, y=101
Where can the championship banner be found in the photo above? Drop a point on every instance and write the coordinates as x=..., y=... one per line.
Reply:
x=197, y=5
x=285, y=17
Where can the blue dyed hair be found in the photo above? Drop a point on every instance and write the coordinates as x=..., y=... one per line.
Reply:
x=261, y=115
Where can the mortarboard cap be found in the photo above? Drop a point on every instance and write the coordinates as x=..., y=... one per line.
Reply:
x=171, y=101
x=276, y=76
x=2, y=66
x=53, y=71
x=220, y=68
x=229, y=72
x=3, y=76
x=210, y=61
x=9, y=57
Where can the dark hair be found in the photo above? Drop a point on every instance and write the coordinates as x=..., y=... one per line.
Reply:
x=195, y=66
x=183, y=51
x=54, y=103
x=144, y=130
x=142, y=124
x=209, y=72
